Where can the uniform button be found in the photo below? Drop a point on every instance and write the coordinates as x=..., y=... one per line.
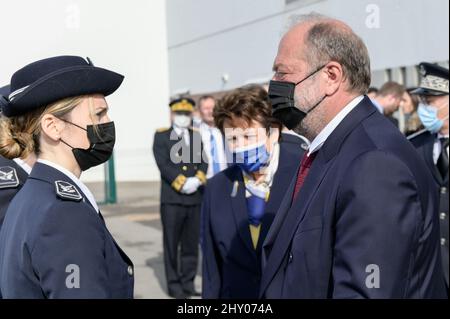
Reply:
x=443, y=216
x=290, y=257
x=184, y=168
x=443, y=241
x=130, y=270
x=443, y=190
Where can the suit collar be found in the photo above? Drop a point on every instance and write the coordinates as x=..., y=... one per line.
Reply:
x=48, y=173
x=333, y=124
x=333, y=144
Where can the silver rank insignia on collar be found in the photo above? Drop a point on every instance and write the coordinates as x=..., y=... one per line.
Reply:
x=8, y=177
x=68, y=191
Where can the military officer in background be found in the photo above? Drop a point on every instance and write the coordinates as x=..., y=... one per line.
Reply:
x=13, y=173
x=178, y=152
x=432, y=142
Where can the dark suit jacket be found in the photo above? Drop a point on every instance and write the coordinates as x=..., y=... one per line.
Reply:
x=47, y=242
x=7, y=189
x=231, y=266
x=176, y=163
x=364, y=216
x=424, y=144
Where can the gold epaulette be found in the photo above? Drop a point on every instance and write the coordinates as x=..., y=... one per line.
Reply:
x=163, y=129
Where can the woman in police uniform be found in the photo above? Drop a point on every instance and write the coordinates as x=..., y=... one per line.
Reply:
x=240, y=202
x=54, y=242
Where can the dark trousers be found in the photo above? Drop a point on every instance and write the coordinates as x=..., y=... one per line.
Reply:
x=181, y=231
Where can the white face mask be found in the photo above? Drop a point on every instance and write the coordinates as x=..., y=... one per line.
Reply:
x=182, y=121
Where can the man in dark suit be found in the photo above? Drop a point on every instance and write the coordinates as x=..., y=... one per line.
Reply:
x=432, y=142
x=388, y=99
x=179, y=155
x=359, y=219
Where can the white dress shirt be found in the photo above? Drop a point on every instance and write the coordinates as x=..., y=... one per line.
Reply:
x=320, y=139
x=75, y=179
x=206, y=131
x=23, y=165
x=182, y=132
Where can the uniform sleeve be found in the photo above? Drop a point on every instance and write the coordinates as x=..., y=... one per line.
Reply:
x=211, y=279
x=69, y=254
x=379, y=217
x=169, y=171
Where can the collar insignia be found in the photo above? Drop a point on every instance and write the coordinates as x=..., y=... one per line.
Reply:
x=65, y=190
x=8, y=177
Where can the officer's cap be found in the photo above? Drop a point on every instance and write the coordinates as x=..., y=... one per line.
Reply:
x=433, y=81
x=182, y=105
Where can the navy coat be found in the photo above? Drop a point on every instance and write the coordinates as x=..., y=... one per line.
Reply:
x=55, y=245
x=231, y=266
x=12, y=178
x=424, y=144
x=364, y=223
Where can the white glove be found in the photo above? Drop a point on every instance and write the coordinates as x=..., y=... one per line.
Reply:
x=191, y=185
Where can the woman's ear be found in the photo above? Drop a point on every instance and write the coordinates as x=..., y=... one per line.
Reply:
x=52, y=127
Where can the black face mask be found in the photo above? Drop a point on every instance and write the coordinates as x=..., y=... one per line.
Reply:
x=282, y=97
x=101, y=145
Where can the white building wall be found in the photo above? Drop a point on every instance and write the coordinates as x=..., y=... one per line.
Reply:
x=238, y=38
x=125, y=36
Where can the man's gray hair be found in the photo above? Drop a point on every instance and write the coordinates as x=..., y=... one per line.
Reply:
x=325, y=42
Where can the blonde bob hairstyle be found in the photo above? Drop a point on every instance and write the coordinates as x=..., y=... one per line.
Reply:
x=20, y=135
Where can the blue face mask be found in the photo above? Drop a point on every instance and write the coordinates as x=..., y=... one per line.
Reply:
x=429, y=117
x=252, y=158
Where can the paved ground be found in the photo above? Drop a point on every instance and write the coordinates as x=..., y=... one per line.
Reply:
x=135, y=223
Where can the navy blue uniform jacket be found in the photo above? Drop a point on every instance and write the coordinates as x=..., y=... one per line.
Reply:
x=364, y=224
x=51, y=247
x=231, y=266
x=12, y=178
x=424, y=144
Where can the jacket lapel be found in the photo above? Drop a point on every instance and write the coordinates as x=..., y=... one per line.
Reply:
x=239, y=205
x=293, y=217
x=281, y=206
x=428, y=149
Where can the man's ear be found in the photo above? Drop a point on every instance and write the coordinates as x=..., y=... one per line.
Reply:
x=335, y=77
x=52, y=127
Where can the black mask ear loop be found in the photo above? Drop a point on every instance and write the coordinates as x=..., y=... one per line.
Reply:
x=310, y=75
x=74, y=125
